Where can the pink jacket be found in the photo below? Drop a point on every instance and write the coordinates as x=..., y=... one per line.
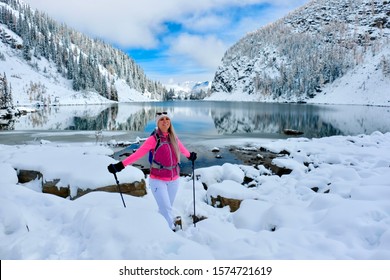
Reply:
x=156, y=173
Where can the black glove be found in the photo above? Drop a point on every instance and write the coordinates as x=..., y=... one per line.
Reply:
x=192, y=156
x=114, y=168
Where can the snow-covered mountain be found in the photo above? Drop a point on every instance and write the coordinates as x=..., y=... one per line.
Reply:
x=328, y=51
x=44, y=61
x=188, y=90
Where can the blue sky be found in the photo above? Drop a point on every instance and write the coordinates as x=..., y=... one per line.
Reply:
x=172, y=40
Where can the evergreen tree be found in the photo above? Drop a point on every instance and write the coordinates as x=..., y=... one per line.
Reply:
x=77, y=57
x=5, y=93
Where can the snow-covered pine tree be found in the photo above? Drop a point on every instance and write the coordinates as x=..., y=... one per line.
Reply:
x=5, y=93
x=76, y=56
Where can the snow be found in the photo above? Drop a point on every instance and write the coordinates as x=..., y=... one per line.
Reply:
x=20, y=75
x=184, y=90
x=279, y=218
x=364, y=85
x=253, y=59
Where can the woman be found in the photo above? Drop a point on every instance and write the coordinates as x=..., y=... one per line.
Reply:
x=165, y=149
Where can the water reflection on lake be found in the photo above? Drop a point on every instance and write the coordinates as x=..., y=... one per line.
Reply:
x=197, y=123
x=214, y=118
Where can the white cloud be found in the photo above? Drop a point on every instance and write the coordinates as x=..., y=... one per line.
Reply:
x=209, y=26
x=125, y=23
x=206, y=22
x=139, y=23
x=206, y=50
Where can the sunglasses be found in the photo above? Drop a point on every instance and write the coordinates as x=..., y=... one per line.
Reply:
x=161, y=113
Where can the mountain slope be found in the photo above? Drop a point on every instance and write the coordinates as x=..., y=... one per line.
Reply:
x=45, y=61
x=188, y=90
x=305, y=54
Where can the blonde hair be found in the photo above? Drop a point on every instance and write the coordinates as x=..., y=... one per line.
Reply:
x=174, y=142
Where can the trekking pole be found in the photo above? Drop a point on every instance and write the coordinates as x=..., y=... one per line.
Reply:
x=119, y=188
x=193, y=190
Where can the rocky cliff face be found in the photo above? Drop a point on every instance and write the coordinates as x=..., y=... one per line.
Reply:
x=295, y=57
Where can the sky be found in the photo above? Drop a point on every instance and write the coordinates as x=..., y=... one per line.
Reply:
x=172, y=40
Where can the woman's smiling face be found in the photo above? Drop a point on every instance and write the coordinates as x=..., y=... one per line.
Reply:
x=164, y=123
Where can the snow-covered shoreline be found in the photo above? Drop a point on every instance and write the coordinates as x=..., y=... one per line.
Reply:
x=347, y=217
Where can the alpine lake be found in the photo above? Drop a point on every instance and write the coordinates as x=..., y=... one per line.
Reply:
x=201, y=125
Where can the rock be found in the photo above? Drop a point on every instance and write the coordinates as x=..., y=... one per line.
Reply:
x=25, y=176
x=50, y=187
x=196, y=218
x=315, y=189
x=288, y=131
x=220, y=202
x=261, y=157
x=135, y=188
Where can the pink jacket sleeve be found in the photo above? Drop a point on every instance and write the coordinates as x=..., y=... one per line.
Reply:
x=149, y=144
x=183, y=149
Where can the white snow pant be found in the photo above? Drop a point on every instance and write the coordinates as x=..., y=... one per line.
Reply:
x=165, y=192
